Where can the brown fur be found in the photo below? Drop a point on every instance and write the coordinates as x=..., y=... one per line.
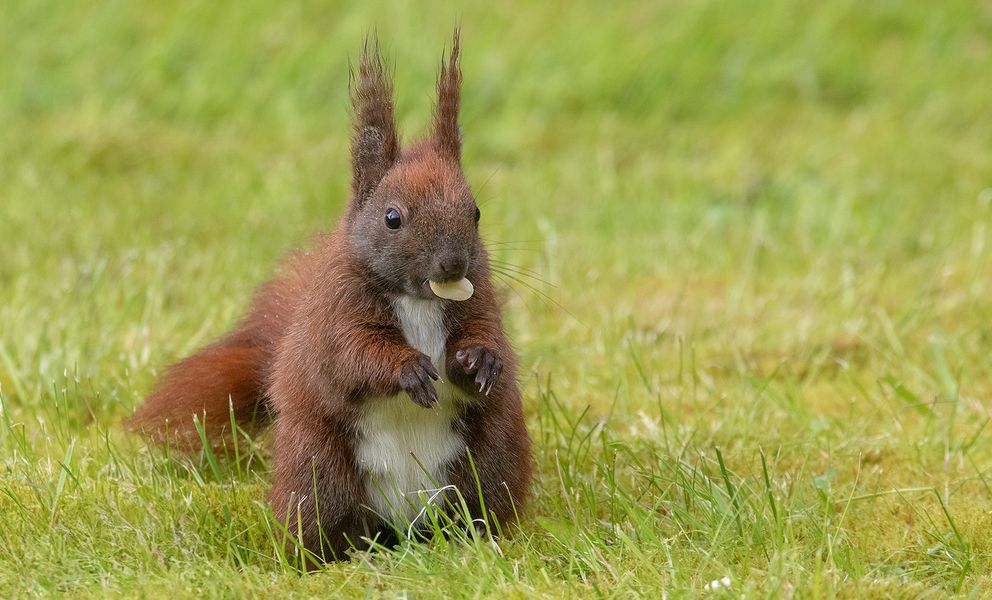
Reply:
x=323, y=339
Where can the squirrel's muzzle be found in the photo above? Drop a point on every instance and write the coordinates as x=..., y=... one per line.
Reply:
x=450, y=267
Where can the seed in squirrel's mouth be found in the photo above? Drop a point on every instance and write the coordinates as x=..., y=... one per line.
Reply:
x=453, y=290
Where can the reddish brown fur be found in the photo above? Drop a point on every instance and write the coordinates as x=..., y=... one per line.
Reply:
x=229, y=374
x=449, y=93
x=322, y=339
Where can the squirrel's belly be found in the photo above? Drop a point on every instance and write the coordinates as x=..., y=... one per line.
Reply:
x=405, y=450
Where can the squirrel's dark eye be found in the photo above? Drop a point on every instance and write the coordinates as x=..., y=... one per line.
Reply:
x=478, y=214
x=393, y=218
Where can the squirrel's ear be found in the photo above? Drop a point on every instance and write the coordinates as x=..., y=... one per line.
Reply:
x=374, y=146
x=447, y=133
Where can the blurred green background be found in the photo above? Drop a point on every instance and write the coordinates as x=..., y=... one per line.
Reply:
x=752, y=293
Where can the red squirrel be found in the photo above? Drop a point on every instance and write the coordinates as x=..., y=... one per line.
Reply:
x=383, y=395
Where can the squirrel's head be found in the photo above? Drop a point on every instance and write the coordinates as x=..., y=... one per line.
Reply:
x=412, y=218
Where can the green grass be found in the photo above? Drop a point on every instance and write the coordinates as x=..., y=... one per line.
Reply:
x=764, y=229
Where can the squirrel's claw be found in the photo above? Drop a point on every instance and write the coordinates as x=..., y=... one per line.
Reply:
x=483, y=363
x=415, y=379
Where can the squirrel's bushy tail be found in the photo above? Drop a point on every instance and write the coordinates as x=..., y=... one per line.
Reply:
x=228, y=375
x=223, y=377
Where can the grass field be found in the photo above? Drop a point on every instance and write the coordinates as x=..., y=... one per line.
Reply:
x=753, y=308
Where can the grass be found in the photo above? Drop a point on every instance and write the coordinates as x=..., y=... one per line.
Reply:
x=758, y=346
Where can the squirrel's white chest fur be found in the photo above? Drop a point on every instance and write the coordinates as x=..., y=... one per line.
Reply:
x=405, y=450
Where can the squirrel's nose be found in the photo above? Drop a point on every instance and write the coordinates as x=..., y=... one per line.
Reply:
x=452, y=267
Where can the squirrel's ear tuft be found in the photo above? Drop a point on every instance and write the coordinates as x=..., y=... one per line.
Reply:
x=374, y=144
x=447, y=133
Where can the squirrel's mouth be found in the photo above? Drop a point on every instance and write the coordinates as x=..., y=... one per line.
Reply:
x=422, y=289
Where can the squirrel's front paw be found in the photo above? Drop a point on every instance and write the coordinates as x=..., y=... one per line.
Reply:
x=415, y=379
x=483, y=363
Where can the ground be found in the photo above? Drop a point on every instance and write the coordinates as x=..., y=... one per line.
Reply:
x=746, y=255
